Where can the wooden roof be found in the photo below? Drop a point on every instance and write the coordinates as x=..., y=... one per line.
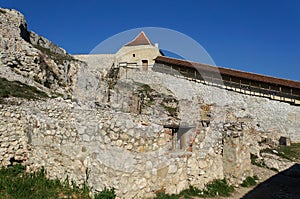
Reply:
x=141, y=39
x=227, y=71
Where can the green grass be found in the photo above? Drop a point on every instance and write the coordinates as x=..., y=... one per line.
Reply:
x=106, y=194
x=291, y=152
x=249, y=181
x=18, y=89
x=218, y=188
x=215, y=188
x=15, y=183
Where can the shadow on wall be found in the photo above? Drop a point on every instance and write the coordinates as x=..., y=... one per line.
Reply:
x=285, y=184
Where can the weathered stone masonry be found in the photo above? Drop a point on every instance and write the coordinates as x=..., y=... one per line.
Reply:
x=132, y=152
x=102, y=147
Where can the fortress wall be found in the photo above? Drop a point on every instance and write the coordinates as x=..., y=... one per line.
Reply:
x=132, y=152
x=271, y=118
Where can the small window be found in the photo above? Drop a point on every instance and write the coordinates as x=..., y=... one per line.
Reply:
x=133, y=55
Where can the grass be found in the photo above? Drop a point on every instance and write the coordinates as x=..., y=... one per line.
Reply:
x=16, y=183
x=215, y=188
x=291, y=152
x=18, y=89
x=106, y=194
x=218, y=188
x=249, y=181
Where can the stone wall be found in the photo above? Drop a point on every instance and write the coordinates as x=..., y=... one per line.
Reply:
x=105, y=148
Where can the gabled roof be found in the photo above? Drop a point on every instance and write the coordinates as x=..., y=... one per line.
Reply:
x=227, y=71
x=141, y=39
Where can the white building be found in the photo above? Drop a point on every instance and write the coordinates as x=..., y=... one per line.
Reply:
x=139, y=53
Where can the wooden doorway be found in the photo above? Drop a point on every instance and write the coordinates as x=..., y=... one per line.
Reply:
x=144, y=65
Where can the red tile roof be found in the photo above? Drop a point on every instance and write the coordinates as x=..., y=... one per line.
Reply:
x=141, y=39
x=231, y=72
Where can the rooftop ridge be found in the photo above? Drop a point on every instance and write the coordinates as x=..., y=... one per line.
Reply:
x=140, y=39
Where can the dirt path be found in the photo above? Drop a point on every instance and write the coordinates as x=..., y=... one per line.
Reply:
x=272, y=185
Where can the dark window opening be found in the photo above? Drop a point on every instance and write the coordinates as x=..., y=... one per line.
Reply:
x=145, y=65
x=133, y=55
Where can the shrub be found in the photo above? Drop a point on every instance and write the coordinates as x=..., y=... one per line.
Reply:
x=249, y=181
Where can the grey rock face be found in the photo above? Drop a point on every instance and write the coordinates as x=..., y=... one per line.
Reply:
x=32, y=59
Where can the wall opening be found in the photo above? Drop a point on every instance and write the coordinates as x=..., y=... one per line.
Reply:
x=145, y=65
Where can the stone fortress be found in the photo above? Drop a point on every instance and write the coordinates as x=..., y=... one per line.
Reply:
x=136, y=120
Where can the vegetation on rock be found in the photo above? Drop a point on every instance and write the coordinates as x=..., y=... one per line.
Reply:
x=58, y=58
x=18, y=89
x=249, y=181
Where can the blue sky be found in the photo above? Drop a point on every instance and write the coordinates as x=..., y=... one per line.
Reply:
x=255, y=36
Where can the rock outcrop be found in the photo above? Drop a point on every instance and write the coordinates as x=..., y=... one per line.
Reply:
x=32, y=59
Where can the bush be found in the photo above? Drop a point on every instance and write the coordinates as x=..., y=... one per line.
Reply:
x=249, y=181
